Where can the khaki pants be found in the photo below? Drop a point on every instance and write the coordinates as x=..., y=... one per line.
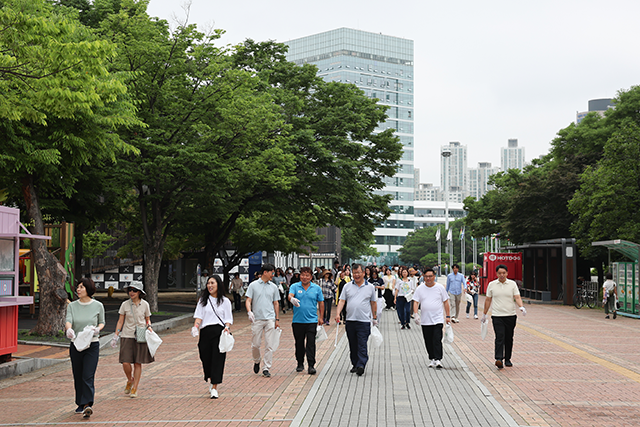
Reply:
x=266, y=328
x=454, y=303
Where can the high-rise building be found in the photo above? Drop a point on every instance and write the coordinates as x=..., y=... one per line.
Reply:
x=478, y=179
x=382, y=66
x=454, y=169
x=598, y=105
x=427, y=192
x=512, y=156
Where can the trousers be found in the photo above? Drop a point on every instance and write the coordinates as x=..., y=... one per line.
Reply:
x=503, y=327
x=268, y=329
x=305, y=332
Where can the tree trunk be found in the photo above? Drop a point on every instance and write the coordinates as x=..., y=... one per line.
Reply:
x=51, y=274
x=153, y=249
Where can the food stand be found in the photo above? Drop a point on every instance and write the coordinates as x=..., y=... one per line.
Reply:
x=10, y=298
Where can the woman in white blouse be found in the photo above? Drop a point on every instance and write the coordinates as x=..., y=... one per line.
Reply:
x=213, y=316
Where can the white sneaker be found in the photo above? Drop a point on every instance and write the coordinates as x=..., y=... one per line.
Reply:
x=475, y=316
x=439, y=364
x=432, y=364
x=467, y=315
x=214, y=393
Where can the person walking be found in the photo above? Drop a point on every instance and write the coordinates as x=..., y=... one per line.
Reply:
x=83, y=312
x=307, y=300
x=502, y=297
x=433, y=301
x=404, y=288
x=134, y=312
x=213, y=316
x=389, y=287
x=262, y=309
x=610, y=292
x=281, y=282
x=455, y=288
x=472, y=290
x=361, y=301
x=329, y=292
x=236, y=287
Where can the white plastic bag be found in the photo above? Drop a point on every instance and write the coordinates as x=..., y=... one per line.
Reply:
x=276, y=344
x=409, y=296
x=321, y=334
x=153, y=342
x=226, y=342
x=484, y=327
x=83, y=339
x=448, y=334
x=381, y=305
x=469, y=298
x=376, y=337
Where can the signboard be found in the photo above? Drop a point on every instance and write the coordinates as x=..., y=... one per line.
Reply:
x=118, y=278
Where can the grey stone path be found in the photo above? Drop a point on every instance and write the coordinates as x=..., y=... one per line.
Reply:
x=398, y=389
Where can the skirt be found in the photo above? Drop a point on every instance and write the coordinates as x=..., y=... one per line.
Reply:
x=132, y=351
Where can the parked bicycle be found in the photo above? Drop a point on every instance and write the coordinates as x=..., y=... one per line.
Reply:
x=584, y=297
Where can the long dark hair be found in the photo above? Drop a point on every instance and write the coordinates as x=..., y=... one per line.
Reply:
x=204, y=298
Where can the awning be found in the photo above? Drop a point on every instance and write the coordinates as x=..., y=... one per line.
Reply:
x=629, y=249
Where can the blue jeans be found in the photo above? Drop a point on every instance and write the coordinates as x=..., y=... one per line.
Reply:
x=475, y=305
x=403, y=307
x=358, y=335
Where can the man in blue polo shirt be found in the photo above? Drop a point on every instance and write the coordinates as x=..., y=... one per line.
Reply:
x=455, y=288
x=307, y=300
x=361, y=299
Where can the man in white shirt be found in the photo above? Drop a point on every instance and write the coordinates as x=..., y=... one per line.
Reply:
x=501, y=294
x=433, y=301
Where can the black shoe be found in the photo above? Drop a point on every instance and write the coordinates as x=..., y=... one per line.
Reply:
x=300, y=368
x=408, y=326
x=256, y=368
x=403, y=327
x=312, y=370
x=507, y=362
x=360, y=371
x=79, y=409
x=614, y=315
x=606, y=317
x=499, y=364
x=266, y=373
x=353, y=370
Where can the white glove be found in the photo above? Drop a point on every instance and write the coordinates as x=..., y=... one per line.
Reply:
x=70, y=334
x=375, y=322
x=96, y=331
x=252, y=318
x=295, y=302
x=523, y=310
x=416, y=318
x=484, y=318
x=114, y=341
x=195, y=331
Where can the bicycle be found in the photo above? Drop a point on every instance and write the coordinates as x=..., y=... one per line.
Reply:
x=584, y=297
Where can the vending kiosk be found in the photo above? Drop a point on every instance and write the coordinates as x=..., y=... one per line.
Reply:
x=513, y=262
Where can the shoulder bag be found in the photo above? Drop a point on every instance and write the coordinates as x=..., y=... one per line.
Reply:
x=141, y=335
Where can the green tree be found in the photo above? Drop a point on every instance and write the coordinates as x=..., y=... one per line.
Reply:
x=61, y=109
x=422, y=243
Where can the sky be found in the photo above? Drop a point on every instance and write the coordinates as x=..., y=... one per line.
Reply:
x=485, y=71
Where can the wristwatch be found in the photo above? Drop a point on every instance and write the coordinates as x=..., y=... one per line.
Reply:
x=277, y=320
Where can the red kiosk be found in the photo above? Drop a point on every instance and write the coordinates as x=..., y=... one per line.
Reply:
x=9, y=278
x=513, y=261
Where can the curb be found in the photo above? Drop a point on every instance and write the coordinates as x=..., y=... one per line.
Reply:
x=30, y=364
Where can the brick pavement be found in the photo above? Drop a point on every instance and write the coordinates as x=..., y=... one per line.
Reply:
x=572, y=368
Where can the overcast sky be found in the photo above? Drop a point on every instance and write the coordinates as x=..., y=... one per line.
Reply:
x=485, y=71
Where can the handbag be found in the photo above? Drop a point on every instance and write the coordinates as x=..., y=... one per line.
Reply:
x=141, y=335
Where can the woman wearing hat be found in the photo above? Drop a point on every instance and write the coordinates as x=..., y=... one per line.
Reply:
x=133, y=312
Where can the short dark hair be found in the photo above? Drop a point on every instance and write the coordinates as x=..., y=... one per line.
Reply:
x=455, y=266
x=306, y=270
x=356, y=266
x=89, y=286
x=608, y=276
x=267, y=267
x=501, y=266
x=429, y=269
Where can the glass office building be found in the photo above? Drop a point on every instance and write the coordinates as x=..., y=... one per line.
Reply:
x=382, y=66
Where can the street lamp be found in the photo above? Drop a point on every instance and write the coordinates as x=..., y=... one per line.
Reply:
x=446, y=153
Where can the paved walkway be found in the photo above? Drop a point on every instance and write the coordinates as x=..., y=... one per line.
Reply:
x=572, y=368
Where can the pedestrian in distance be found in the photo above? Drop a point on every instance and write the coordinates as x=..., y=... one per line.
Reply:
x=307, y=300
x=329, y=292
x=133, y=312
x=213, y=316
x=609, y=291
x=389, y=287
x=404, y=288
x=236, y=287
x=83, y=312
x=502, y=297
x=456, y=289
x=262, y=309
x=472, y=289
x=433, y=301
x=281, y=282
x=360, y=298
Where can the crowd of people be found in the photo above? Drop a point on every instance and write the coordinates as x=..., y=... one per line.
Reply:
x=411, y=292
